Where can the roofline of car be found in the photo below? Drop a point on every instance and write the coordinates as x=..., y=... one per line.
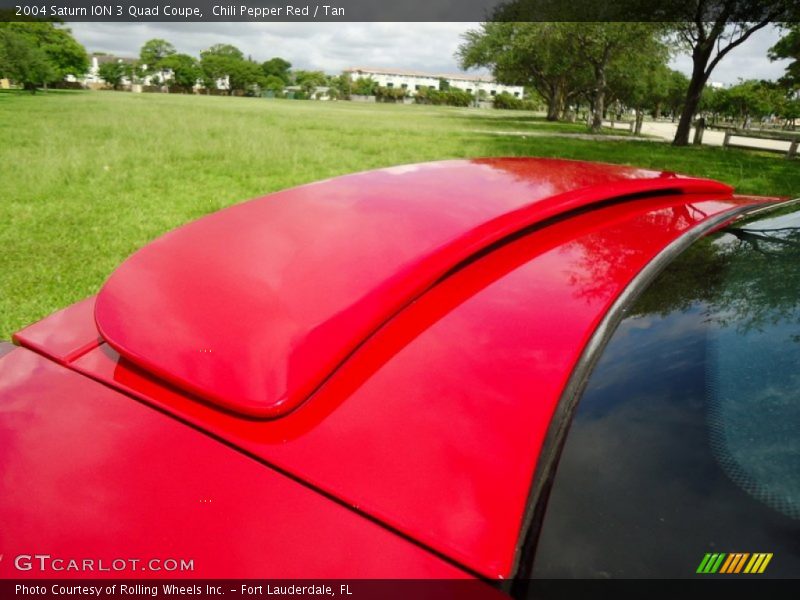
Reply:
x=559, y=424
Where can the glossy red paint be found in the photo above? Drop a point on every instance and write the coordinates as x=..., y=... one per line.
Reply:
x=253, y=307
x=89, y=474
x=65, y=335
x=434, y=424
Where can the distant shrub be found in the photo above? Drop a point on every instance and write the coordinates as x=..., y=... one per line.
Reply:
x=390, y=94
x=509, y=102
x=364, y=86
x=423, y=96
x=450, y=97
x=455, y=97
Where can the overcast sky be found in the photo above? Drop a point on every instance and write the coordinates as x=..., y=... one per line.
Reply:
x=331, y=47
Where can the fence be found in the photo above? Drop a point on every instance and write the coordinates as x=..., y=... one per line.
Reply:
x=792, y=140
x=737, y=138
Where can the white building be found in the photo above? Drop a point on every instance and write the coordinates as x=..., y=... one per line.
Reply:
x=415, y=80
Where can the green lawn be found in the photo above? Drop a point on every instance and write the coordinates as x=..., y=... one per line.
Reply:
x=89, y=177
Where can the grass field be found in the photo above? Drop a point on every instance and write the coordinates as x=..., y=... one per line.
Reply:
x=89, y=177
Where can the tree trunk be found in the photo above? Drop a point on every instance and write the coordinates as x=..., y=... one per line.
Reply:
x=599, y=104
x=597, y=117
x=637, y=128
x=552, y=111
x=696, y=84
x=554, y=104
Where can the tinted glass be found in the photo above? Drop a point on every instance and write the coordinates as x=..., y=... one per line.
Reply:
x=686, y=441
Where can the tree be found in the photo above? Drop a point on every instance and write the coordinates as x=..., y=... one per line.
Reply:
x=676, y=93
x=134, y=71
x=364, y=86
x=716, y=102
x=67, y=56
x=273, y=84
x=112, y=72
x=711, y=31
x=601, y=45
x=221, y=62
x=562, y=61
x=790, y=110
x=641, y=81
x=753, y=99
x=223, y=51
x=47, y=52
x=24, y=62
x=277, y=67
x=310, y=80
x=154, y=52
x=343, y=85
x=184, y=68
x=390, y=94
x=789, y=47
x=243, y=74
x=540, y=55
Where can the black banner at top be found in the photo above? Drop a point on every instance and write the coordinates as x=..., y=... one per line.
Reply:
x=399, y=10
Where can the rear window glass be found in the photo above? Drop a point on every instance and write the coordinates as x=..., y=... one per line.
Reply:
x=683, y=456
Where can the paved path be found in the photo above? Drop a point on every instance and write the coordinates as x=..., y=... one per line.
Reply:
x=660, y=131
x=574, y=136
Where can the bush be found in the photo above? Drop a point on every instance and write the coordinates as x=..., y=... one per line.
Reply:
x=507, y=101
x=451, y=97
x=387, y=94
x=454, y=97
x=364, y=86
x=423, y=96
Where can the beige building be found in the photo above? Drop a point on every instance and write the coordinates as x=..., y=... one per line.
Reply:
x=415, y=80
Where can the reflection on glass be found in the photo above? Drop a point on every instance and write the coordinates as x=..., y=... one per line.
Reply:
x=687, y=438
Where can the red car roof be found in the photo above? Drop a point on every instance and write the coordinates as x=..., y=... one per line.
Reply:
x=466, y=319
x=254, y=307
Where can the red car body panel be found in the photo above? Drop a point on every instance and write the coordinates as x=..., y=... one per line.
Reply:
x=260, y=302
x=90, y=474
x=65, y=335
x=432, y=424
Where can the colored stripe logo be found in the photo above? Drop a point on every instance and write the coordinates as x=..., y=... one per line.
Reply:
x=734, y=563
